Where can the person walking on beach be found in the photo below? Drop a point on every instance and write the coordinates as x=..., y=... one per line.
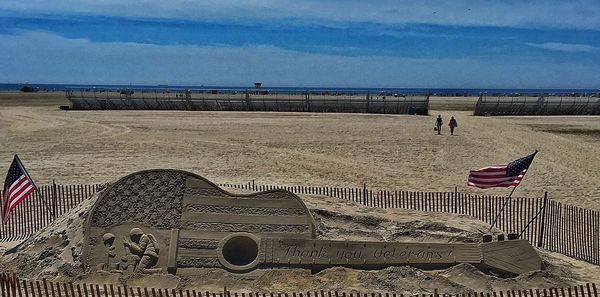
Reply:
x=452, y=124
x=438, y=124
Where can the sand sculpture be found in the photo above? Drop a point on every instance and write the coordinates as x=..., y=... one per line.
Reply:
x=174, y=221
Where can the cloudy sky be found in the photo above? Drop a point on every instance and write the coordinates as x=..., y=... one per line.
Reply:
x=343, y=43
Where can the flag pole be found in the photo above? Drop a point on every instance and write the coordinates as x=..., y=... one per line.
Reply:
x=25, y=171
x=502, y=208
x=508, y=198
x=34, y=186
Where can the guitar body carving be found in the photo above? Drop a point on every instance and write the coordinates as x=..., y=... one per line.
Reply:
x=169, y=220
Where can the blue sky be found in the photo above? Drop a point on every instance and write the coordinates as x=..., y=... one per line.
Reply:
x=424, y=44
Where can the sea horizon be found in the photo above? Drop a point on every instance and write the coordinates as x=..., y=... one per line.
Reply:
x=402, y=90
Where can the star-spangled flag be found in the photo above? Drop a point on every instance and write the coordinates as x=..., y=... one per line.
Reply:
x=501, y=175
x=17, y=186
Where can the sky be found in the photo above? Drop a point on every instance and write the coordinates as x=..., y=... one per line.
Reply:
x=310, y=43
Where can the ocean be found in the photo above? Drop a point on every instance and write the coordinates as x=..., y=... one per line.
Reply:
x=430, y=91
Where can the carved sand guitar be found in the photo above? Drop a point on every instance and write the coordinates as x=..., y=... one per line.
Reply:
x=200, y=225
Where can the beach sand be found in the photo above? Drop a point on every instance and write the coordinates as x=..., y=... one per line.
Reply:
x=398, y=152
x=56, y=252
x=384, y=151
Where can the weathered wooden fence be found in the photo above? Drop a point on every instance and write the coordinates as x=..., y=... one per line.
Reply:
x=42, y=208
x=523, y=216
x=12, y=286
x=548, y=224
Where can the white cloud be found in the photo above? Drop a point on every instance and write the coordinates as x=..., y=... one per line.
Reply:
x=565, y=47
x=49, y=58
x=509, y=13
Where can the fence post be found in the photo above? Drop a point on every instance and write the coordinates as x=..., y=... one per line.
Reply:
x=53, y=200
x=455, y=199
x=543, y=221
x=365, y=193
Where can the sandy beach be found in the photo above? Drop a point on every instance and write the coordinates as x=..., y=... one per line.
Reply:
x=384, y=151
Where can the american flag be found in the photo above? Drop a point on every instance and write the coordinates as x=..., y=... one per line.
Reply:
x=17, y=186
x=501, y=175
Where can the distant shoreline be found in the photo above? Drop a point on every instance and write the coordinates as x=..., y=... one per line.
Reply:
x=444, y=92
